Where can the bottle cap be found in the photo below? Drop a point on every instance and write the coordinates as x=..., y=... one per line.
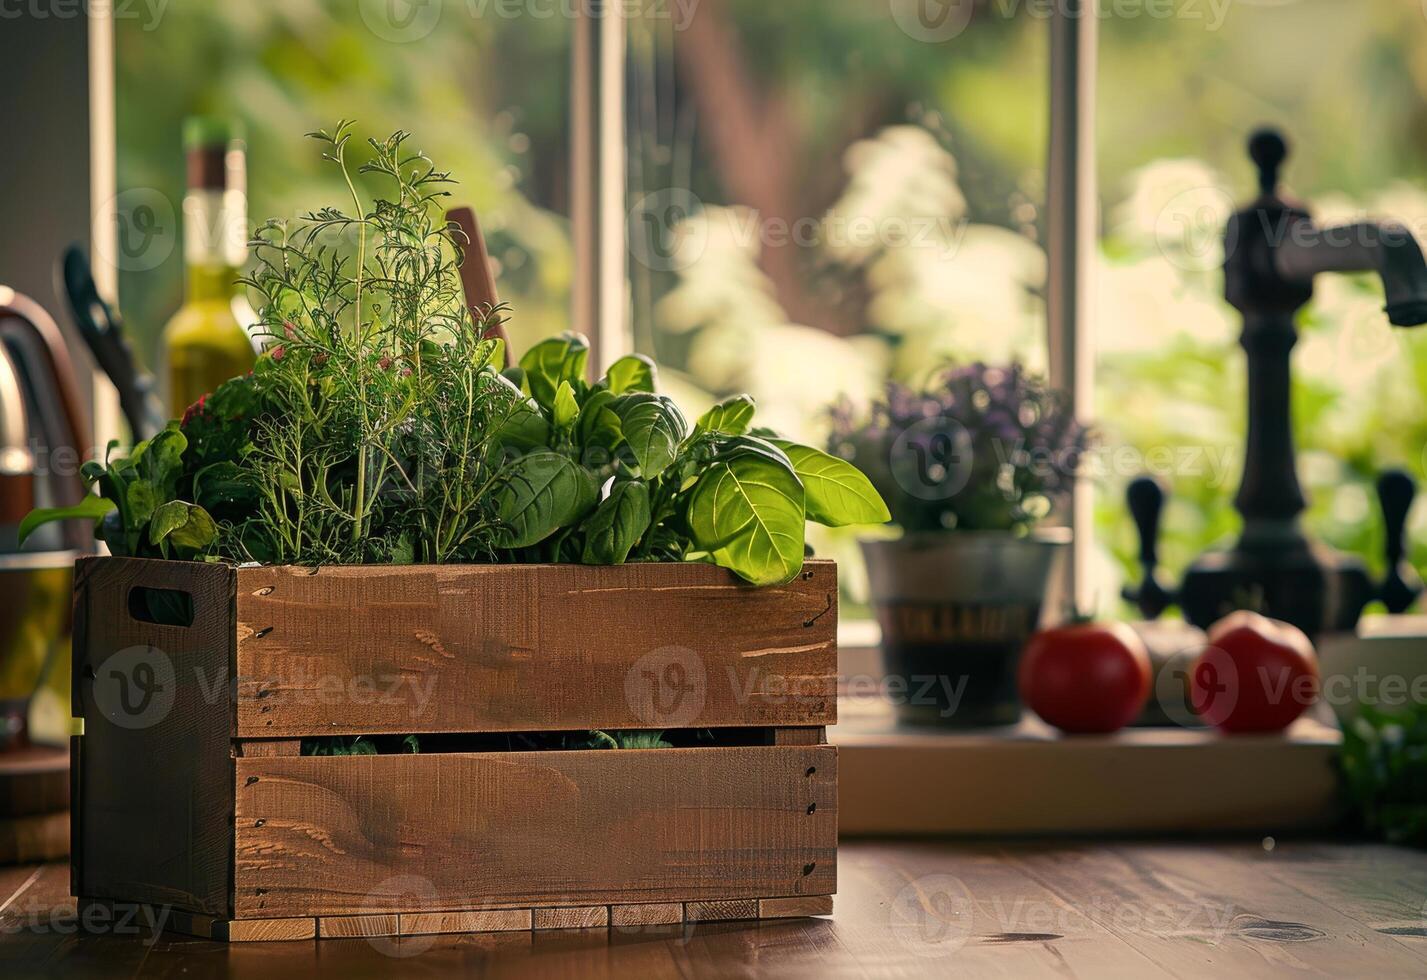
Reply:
x=214, y=152
x=209, y=132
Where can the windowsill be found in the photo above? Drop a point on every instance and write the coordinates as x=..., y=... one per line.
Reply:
x=1029, y=780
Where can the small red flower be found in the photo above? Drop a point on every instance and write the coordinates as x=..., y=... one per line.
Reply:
x=192, y=410
x=289, y=329
x=385, y=362
x=278, y=352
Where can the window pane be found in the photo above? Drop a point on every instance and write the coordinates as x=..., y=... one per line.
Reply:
x=823, y=193
x=483, y=88
x=1177, y=99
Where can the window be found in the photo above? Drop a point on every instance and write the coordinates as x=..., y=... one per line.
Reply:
x=1177, y=100
x=838, y=185
x=821, y=196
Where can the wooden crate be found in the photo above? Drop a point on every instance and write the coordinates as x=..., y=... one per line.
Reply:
x=191, y=791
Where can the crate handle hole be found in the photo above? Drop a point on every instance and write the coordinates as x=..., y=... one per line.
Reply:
x=811, y=770
x=812, y=807
x=808, y=868
x=162, y=607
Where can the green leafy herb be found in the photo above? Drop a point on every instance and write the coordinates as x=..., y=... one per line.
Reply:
x=377, y=428
x=719, y=493
x=1384, y=764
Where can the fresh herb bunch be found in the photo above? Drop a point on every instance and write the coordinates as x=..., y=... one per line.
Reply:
x=1384, y=765
x=612, y=472
x=363, y=434
x=981, y=448
x=377, y=397
x=377, y=428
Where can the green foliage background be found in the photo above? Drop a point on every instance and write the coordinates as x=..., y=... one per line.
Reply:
x=871, y=122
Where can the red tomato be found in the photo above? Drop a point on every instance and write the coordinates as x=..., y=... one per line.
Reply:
x=1086, y=677
x=1256, y=675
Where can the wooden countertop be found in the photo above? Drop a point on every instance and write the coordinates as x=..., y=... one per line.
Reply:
x=1094, y=909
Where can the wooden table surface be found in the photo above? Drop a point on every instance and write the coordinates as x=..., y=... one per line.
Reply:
x=1090, y=909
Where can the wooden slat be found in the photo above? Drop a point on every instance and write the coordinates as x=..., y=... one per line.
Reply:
x=652, y=914
x=156, y=779
x=317, y=835
x=486, y=920
x=800, y=736
x=584, y=917
x=358, y=926
x=721, y=911
x=511, y=648
x=269, y=930
x=269, y=748
x=790, y=908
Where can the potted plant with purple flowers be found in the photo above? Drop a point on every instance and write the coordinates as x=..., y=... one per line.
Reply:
x=969, y=466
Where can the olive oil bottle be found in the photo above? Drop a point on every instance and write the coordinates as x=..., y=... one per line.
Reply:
x=209, y=339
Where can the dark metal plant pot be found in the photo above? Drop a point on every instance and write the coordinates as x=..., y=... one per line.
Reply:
x=956, y=609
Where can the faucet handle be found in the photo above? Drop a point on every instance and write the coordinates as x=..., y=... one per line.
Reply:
x=1268, y=148
x=1401, y=587
x=1145, y=497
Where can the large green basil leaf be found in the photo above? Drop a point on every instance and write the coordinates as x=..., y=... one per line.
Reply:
x=617, y=525
x=142, y=499
x=160, y=459
x=182, y=524
x=730, y=416
x=747, y=513
x=653, y=427
x=519, y=423
x=543, y=491
x=632, y=372
x=598, y=426
x=552, y=361
x=224, y=482
x=91, y=507
x=837, y=492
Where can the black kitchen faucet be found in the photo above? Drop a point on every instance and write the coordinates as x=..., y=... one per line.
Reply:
x=1272, y=251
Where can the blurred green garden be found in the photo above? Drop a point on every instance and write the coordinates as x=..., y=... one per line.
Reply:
x=820, y=200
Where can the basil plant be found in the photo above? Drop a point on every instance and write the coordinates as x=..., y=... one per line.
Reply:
x=612, y=472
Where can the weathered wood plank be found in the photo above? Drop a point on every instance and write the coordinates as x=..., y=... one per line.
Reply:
x=156, y=781
x=318, y=835
x=445, y=648
x=791, y=908
x=729, y=910
x=268, y=930
x=800, y=736
x=584, y=917
x=651, y=914
x=259, y=748
x=358, y=926
x=486, y=920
